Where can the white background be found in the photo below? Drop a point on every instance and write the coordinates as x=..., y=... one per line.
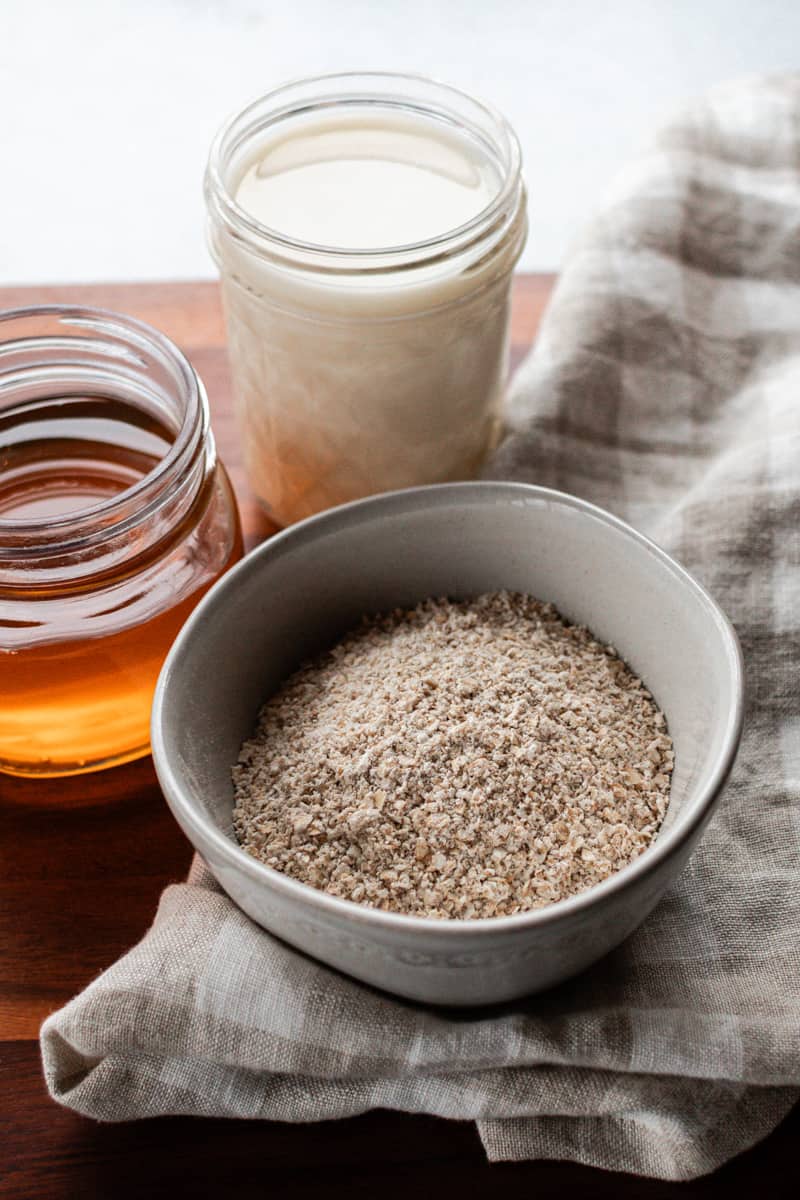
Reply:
x=107, y=107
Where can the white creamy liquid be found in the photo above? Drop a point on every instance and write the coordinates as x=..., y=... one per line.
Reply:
x=351, y=382
x=366, y=185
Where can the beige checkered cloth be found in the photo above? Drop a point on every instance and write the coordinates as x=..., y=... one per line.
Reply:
x=665, y=386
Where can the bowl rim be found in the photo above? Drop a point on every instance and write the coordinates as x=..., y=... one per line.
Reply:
x=197, y=826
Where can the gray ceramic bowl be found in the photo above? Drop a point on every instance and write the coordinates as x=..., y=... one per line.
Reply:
x=299, y=591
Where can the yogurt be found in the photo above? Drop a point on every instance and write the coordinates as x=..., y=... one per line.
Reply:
x=365, y=248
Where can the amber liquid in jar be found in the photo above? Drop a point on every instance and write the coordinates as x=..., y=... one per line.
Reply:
x=81, y=698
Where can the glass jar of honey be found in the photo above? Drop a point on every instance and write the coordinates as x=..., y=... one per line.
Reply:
x=115, y=517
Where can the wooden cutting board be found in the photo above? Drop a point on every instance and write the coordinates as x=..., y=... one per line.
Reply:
x=82, y=864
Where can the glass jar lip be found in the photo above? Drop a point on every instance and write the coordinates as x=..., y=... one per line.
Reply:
x=94, y=522
x=238, y=128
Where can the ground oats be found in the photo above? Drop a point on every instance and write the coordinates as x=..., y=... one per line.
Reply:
x=471, y=759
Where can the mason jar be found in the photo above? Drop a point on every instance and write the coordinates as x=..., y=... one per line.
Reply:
x=115, y=517
x=360, y=368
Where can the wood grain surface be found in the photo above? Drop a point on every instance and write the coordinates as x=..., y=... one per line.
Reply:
x=82, y=864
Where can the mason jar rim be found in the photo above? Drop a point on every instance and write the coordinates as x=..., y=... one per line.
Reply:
x=246, y=123
x=127, y=342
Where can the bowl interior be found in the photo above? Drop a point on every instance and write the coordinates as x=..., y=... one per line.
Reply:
x=297, y=593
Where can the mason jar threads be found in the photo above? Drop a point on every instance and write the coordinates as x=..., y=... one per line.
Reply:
x=115, y=517
x=365, y=227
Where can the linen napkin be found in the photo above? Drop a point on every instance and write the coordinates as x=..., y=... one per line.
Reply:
x=665, y=386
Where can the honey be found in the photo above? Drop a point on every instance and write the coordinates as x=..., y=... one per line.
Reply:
x=70, y=707
x=66, y=453
x=115, y=519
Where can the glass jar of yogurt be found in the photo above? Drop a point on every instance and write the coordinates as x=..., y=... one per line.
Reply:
x=366, y=227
